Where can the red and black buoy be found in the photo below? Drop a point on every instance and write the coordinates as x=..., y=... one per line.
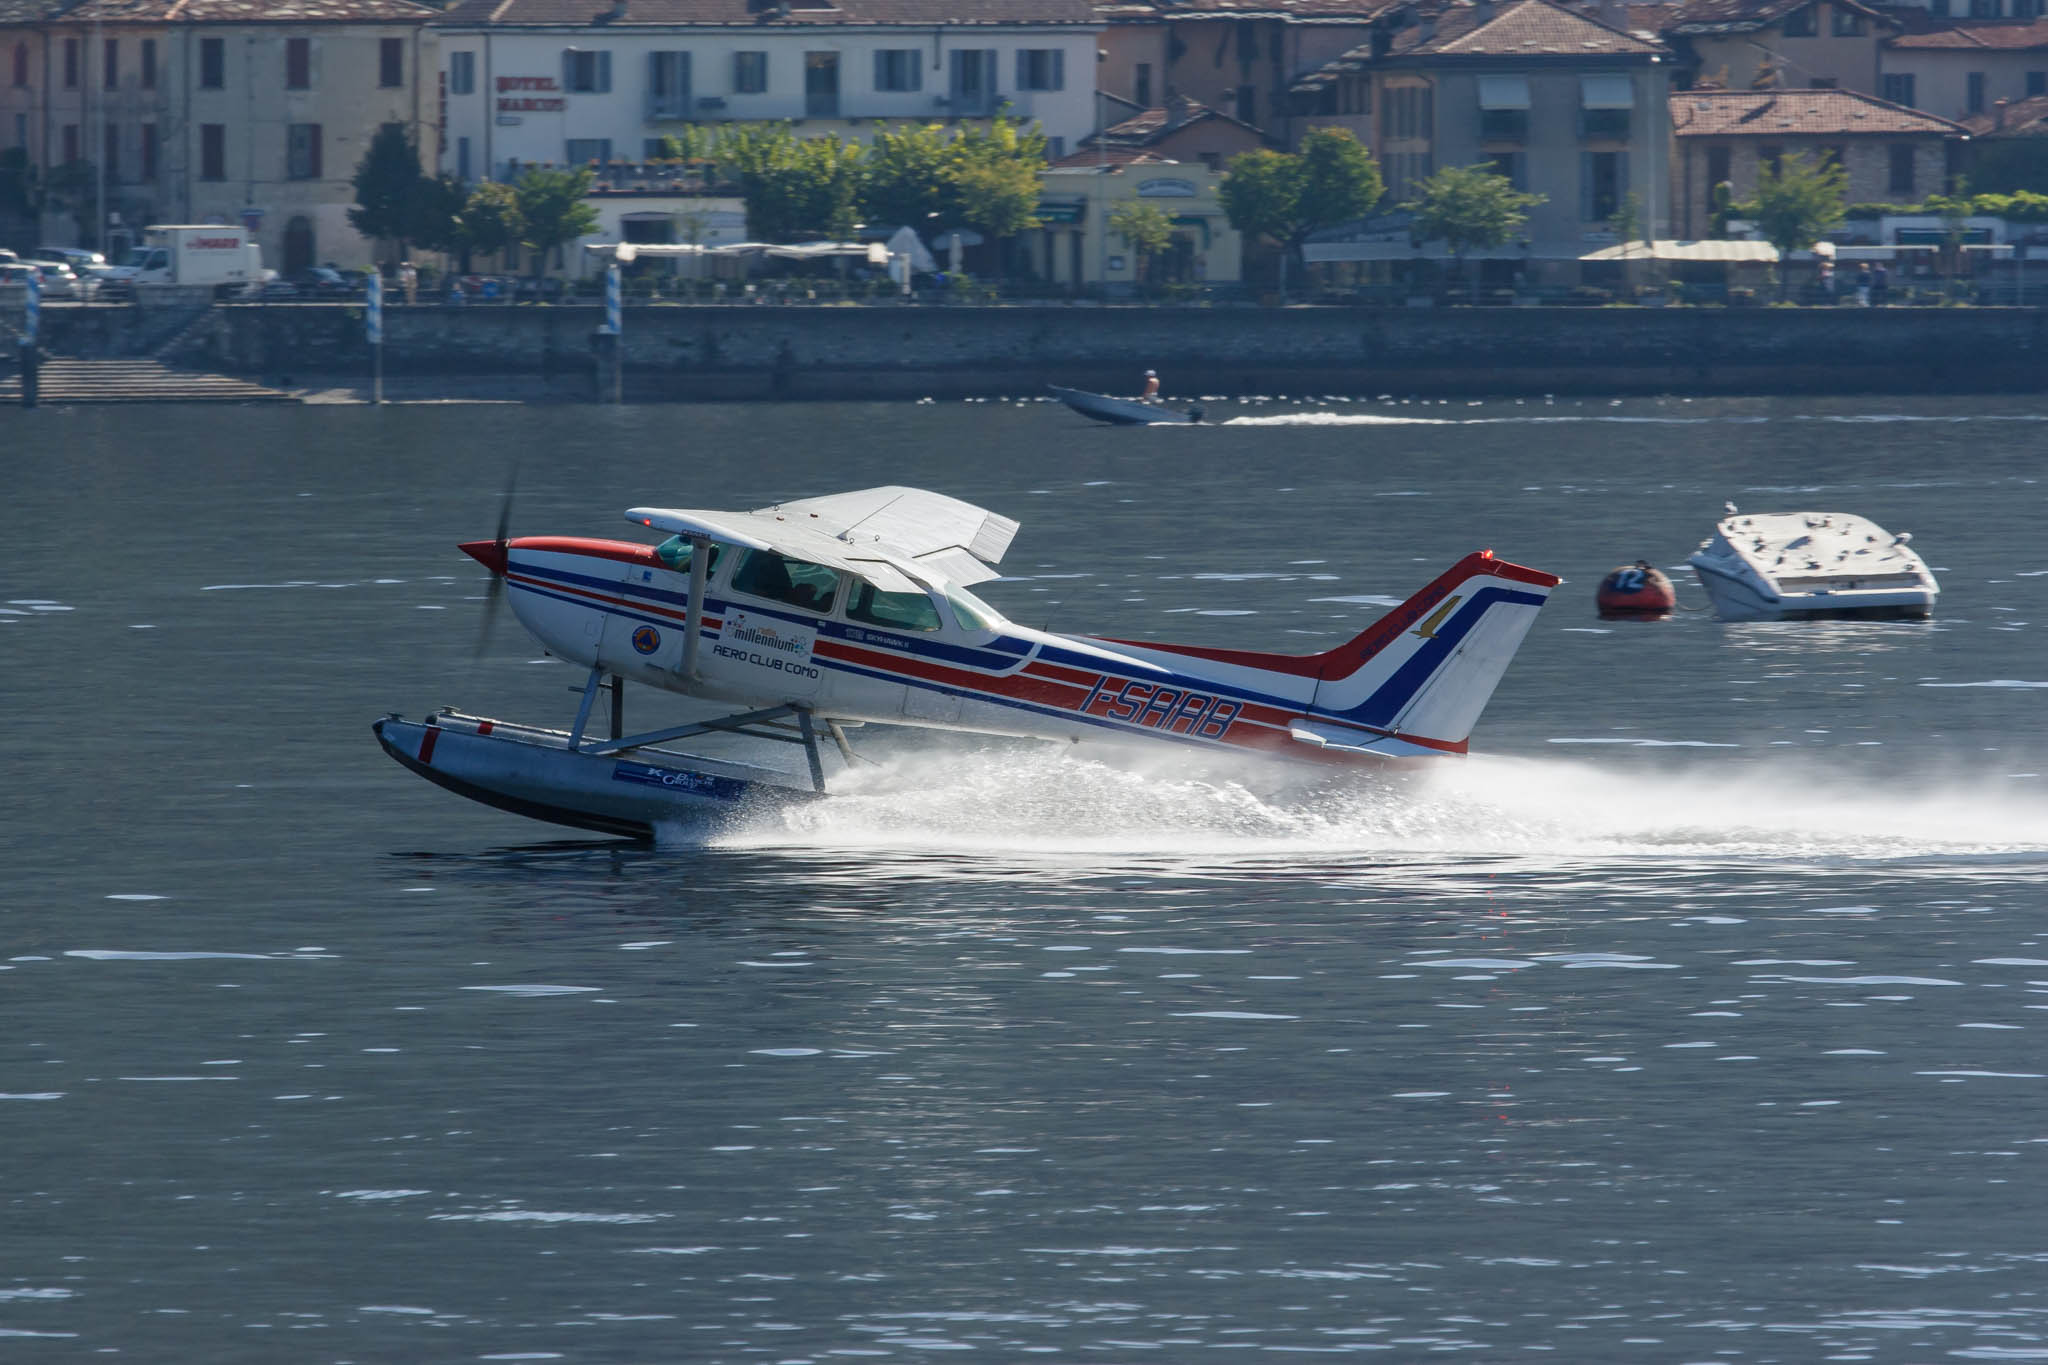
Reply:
x=1636, y=590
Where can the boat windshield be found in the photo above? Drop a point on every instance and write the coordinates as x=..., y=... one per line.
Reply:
x=675, y=553
x=972, y=613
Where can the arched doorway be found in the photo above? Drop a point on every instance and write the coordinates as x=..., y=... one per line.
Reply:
x=298, y=245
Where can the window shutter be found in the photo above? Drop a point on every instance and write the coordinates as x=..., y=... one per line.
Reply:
x=1059, y=68
x=313, y=151
x=604, y=71
x=568, y=68
x=988, y=76
x=881, y=69
x=657, y=74
x=1023, y=69
x=683, y=79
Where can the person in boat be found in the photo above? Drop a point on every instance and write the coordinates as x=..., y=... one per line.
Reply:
x=1151, y=394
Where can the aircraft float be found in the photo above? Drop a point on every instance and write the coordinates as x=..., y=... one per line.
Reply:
x=812, y=616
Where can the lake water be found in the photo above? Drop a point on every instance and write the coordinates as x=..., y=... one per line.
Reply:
x=1698, y=1018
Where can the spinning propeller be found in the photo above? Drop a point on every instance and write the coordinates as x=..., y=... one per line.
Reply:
x=493, y=556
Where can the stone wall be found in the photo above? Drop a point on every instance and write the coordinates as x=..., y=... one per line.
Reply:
x=825, y=352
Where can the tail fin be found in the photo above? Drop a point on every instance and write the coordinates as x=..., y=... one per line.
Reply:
x=1415, y=682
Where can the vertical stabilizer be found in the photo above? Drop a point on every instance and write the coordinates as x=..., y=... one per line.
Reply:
x=1416, y=681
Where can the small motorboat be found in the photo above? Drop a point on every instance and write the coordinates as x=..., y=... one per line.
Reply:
x=1778, y=566
x=1127, y=412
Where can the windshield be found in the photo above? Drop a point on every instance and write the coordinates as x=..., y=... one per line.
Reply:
x=971, y=611
x=675, y=552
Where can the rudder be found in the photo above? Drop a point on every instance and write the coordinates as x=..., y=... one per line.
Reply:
x=1425, y=670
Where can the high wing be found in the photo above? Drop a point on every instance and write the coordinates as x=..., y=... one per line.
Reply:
x=884, y=535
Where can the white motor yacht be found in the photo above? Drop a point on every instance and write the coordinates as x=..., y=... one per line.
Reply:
x=1776, y=566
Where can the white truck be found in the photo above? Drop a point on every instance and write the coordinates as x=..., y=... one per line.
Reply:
x=225, y=258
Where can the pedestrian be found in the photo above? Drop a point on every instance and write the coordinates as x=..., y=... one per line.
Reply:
x=1863, y=286
x=1151, y=386
x=1827, y=280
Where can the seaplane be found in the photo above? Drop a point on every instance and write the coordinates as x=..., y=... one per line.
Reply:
x=816, y=616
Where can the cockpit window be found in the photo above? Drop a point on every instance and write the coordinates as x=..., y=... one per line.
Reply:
x=972, y=613
x=896, y=610
x=809, y=587
x=675, y=552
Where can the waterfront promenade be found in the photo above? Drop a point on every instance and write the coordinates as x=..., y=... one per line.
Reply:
x=699, y=352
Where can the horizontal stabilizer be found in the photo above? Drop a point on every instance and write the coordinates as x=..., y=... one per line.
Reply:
x=1331, y=737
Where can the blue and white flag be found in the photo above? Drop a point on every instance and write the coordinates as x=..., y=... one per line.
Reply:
x=611, y=301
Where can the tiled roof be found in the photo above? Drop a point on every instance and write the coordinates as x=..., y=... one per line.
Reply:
x=2008, y=35
x=1150, y=127
x=1782, y=113
x=249, y=11
x=2023, y=118
x=1524, y=28
x=768, y=14
x=28, y=11
x=1747, y=16
x=1291, y=11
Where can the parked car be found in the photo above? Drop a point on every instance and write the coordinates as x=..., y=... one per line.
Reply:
x=325, y=282
x=15, y=272
x=61, y=282
x=76, y=257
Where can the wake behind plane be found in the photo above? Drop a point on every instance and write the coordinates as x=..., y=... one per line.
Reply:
x=814, y=616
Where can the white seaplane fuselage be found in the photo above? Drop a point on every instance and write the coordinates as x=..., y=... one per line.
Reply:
x=1409, y=687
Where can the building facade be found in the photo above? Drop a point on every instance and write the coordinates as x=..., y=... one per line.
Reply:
x=1891, y=154
x=581, y=82
x=1780, y=44
x=1076, y=247
x=214, y=111
x=1963, y=70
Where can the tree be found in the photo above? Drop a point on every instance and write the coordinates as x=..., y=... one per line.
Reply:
x=793, y=187
x=995, y=174
x=907, y=180
x=433, y=214
x=387, y=182
x=1626, y=223
x=1283, y=197
x=491, y=223
x=1796, y=202
x=552, y=209
x=980, y=178
x=1469, y=208
x=21, y=187
x=1145, y=227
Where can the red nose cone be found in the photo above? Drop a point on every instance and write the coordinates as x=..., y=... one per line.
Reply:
x=489, y=553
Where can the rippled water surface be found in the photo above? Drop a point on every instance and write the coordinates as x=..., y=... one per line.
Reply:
x=1698, y=1018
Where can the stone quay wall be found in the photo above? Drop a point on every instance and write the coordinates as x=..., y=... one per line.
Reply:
x=797, y=352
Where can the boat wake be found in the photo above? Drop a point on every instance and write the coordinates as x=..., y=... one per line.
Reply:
x=1039, y=804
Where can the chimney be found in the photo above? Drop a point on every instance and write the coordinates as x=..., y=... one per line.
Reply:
x=1998, y=114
